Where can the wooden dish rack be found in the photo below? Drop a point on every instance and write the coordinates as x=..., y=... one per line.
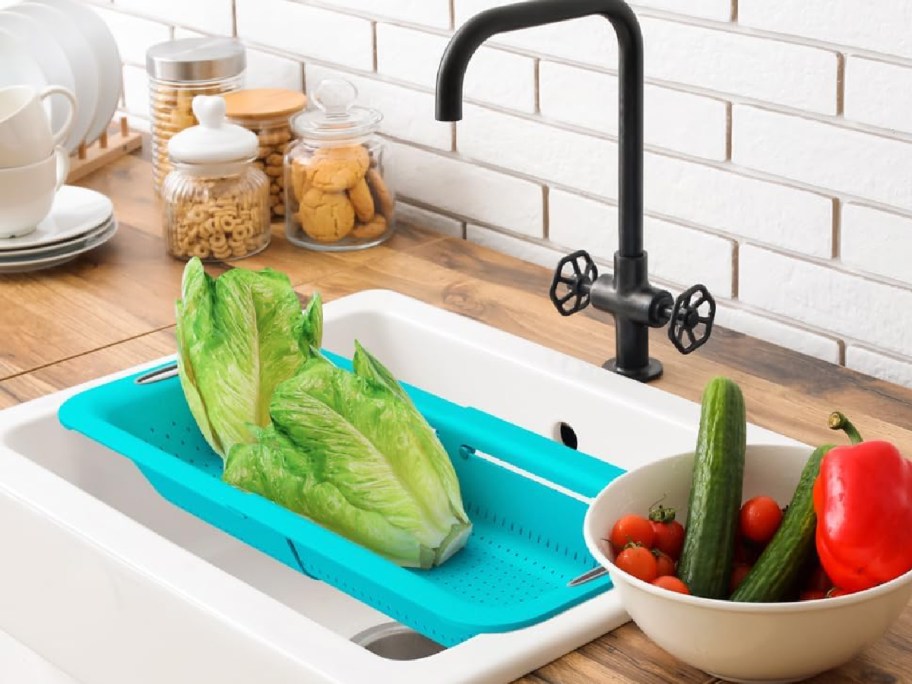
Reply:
x=115, y=142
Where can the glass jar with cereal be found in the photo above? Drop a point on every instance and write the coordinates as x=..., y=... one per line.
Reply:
x=266, y=112
x=178, y=71
x=215, y=201
x=337, y=196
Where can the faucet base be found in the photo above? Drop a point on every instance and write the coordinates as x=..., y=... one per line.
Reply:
x=651, y=371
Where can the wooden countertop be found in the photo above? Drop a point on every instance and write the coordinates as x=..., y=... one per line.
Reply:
x=113, y=308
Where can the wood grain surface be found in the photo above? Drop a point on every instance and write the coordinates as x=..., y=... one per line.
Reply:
x=114, y=308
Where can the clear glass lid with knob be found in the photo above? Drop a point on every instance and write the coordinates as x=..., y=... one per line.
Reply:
x=336, y=116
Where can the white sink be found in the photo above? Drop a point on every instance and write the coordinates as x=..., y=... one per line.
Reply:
x=111, y=584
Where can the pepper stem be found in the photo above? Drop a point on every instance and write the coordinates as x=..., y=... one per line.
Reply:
x=838, y=421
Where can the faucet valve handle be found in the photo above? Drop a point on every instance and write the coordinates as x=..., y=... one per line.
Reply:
x=572, y=281
x=690, y=328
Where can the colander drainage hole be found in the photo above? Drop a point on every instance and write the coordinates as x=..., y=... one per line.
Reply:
x=566, y=435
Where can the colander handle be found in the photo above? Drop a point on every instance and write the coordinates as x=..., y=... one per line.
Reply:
x=460, y=426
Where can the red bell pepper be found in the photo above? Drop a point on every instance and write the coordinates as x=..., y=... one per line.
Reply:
x=863, y=502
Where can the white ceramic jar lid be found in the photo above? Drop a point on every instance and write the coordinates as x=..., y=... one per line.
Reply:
x=213, y=141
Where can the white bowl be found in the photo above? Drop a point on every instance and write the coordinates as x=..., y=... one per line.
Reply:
x=740, y=642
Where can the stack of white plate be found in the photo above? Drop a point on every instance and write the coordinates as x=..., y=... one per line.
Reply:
x=80, y=220
x=63, y=43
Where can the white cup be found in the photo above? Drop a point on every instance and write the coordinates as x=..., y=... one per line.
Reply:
x=25, y=132
x=27, y=193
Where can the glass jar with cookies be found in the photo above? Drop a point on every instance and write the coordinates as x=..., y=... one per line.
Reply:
x=215, y=201
x=336, y=193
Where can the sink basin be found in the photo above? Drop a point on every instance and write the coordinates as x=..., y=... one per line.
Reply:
x=110, y=583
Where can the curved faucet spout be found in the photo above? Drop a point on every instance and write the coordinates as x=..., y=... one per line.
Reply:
x=630, y=103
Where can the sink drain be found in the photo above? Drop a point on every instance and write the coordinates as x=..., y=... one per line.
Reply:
x=396, y=642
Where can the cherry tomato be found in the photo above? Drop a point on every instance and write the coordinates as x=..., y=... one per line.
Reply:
x=739, y=572
x=632, y=529
x=671, y=584
x=665, y=564
x=836, y=591
x=669, y=537
x=639, y=562
x=760, y=518
x=818, y=580
x=811, y=595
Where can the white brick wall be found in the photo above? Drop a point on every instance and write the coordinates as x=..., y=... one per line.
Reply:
x=434, y=13
x=779, y=147
x=880, y=26
x=677, y=254
x=307, y=31
x=211, y=16
x=494, y=76
x=878, y=93
x=673, y=119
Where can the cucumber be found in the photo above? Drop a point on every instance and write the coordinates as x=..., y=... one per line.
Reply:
x=777, y=569
x=715, y=493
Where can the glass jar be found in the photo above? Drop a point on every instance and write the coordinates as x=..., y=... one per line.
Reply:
x=266, y=112
x=215, y=201
x=178, y=71
x=336, y=194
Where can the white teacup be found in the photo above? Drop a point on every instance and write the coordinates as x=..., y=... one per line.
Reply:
x=25, y=132
x=27, y=193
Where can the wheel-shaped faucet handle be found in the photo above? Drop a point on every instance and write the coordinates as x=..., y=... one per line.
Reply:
x=692, y=319
x=572, y=281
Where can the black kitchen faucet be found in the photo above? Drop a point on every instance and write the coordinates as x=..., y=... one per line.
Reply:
x=627, y=294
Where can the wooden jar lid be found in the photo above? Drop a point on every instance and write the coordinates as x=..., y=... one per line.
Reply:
x=263, y=103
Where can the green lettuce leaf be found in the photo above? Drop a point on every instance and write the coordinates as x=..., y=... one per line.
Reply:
x=239, y=336
x=359, y=445
x=293, y=475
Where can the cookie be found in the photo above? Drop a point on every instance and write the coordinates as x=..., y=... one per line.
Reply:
x=298, y=178
x=361, y=199
x=326, y=216
x=382, y=195
x=373, y=228
x=335, y=169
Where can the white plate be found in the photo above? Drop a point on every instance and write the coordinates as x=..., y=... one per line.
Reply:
x=110, y=75
x=82, y=61
x=58, y=257
x=34, y=39
x=17, y=67
x=75, y=211
x=66, y=246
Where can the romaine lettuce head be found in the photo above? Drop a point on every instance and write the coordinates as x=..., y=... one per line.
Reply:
x=352, y=453
x=239, y=336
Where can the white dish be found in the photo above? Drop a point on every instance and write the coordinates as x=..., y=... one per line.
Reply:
x=60, y=256
x=34, y=39
x=81, y=57
x=57, y=248
x=75, y=211
x=18, y=67
x=109, y=64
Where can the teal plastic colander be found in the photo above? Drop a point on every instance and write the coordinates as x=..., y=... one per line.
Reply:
x=526, y=544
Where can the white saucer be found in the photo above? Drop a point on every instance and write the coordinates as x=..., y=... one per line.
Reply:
x=26, y=253
x=75, y=211
x=59, y=256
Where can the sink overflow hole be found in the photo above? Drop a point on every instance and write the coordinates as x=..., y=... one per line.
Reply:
x=566, y=434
